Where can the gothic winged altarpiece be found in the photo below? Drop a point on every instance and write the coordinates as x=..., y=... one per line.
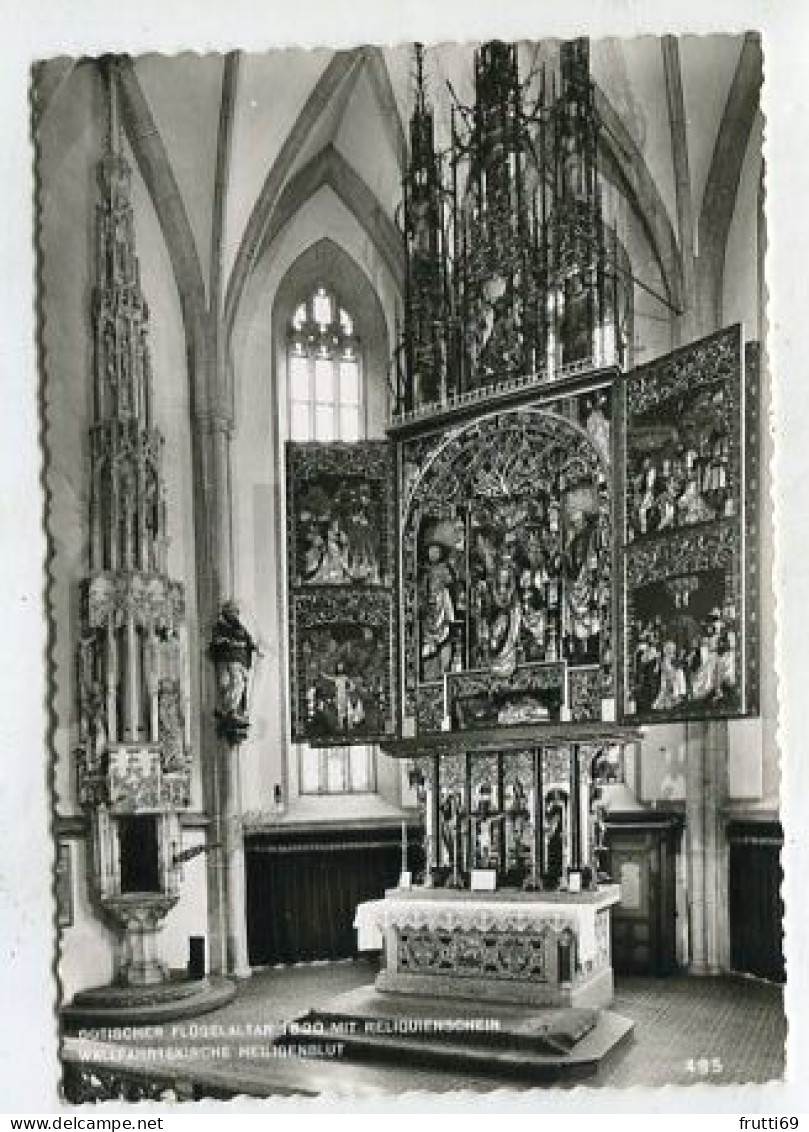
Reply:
x=553, y=546
x=565, y=538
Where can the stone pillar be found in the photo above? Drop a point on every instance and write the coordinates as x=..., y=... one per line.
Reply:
x=211, y=459
x=232, y=650
x=220, y=763
x=212, y=430
x=238, y=963
x=706, y=846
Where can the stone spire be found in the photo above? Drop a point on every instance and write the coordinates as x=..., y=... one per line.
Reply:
x=128, y=514
x=133, y=756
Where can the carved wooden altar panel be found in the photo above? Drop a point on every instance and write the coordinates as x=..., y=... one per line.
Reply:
x=341, y=665
x=340, y=514
x=534, y=693
x=685, y=653
x=341, y=566
x=605, y=530
x=507, y=548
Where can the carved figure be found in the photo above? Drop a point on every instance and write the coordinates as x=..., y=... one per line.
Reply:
x=672, y=680
x=555, y=851
x=438, y=614
x=534, y=615
x=691, y=505
x=232, y=650
x=343, y=687
x=598, y=429
x=647, y=507
x=506, y=622
x=667, y=506
x=647, y=669
x=170, y=726
x=704, y=679
x=334, y=565
x=313, y=555
x=97, y=726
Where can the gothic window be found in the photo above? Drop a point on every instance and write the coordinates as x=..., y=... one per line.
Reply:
x=325, y=375
x=326, y=400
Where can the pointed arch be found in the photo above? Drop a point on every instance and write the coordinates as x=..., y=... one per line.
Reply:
x=342, y=68
x=383, y=92
x=625, y=166
x=678, y=132
x=158, y=175
x=325, y=261
x=329, y=168
x=724, y=175
x=48, y=78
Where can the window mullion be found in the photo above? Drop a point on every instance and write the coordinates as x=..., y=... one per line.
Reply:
x=338, y=396
x=312, y=401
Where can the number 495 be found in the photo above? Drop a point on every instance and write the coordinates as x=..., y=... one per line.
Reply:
x=704, y=1066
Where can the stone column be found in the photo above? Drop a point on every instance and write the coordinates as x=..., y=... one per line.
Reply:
x=215, y=572
x=212, y=427
x=237, y=960
x=706, y=846
x=211, y=459
x=232, y=650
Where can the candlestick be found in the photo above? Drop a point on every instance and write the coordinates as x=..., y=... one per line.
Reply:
x=456, y=848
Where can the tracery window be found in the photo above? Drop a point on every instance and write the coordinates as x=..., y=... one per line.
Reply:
x=325, y=375
x=326, y=402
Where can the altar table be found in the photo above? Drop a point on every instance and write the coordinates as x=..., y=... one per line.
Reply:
x=545, y=948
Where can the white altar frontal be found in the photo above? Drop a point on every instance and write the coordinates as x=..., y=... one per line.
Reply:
x=532, y=948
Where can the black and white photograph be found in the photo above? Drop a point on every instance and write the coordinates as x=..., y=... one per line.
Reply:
x=412, y=706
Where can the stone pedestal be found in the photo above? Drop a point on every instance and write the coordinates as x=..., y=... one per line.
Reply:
x=141, y=916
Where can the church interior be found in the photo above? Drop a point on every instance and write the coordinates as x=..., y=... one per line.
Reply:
x=407, y=483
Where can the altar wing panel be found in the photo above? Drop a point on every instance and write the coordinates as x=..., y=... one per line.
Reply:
x=752, y=518
x=340, y=570
x=340, y=517
x=686, y=653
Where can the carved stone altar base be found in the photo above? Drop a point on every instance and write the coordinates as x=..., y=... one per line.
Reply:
x=544, y=949
x=508, y=982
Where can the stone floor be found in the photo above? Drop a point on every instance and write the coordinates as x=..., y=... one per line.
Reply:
x=727, y=1030
x=678, y=1021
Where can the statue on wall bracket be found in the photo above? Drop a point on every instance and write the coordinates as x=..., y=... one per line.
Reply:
x=232, y=650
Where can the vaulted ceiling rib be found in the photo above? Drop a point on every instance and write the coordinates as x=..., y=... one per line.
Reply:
x=338, y=70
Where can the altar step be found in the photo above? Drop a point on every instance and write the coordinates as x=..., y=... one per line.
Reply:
x=179, y=997
x=542, y=1044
